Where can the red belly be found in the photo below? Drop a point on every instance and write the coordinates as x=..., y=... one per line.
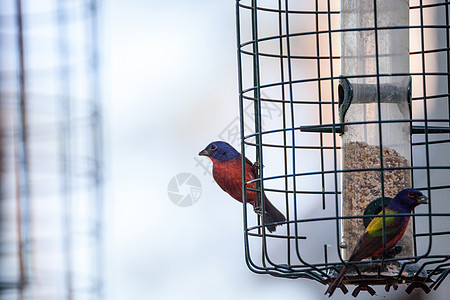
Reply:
x=228, y=176
x=394, y=241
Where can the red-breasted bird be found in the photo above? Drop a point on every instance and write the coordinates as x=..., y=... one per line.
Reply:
x=227, y=172
x=371, y=242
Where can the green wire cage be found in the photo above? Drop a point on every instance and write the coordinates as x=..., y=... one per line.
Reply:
x=362, y=88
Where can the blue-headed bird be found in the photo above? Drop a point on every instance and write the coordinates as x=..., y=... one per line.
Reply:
x=371, y=242
x=227, y=172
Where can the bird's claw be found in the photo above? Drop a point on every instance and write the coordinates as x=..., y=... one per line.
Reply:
x=256, y=166
x=258, y=210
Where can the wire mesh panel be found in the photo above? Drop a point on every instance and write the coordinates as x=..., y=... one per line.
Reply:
x=51, y=203
x=363, y=111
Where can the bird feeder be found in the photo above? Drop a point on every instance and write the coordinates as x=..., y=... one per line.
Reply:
x=363, y=96
x=374, y=111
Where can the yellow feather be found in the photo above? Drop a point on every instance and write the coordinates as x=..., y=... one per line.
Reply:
x=375, y=226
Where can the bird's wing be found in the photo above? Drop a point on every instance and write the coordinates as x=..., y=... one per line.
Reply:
x=371, y=243
x=251, y=166
x=248, y=161
x=375, y=227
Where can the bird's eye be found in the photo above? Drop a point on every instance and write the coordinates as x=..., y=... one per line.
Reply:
x=410, y=195
x=213, y=147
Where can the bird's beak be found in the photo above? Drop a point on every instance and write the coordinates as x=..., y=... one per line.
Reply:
x=204, y=153
x=422, y=200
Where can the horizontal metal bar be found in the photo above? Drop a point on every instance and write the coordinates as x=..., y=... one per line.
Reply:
x=314, y=57
x=429, y=129
x=320, y=102
x=316, y=79
x=303, y=12
x=338, y=128
x=322, y=128
x=290, y=147
x=324, y=12
x=337, y=171
x=327, y=32
x=433, y=233
x=273, y=235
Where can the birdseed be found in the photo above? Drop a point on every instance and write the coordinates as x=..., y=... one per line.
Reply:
x=362, y=187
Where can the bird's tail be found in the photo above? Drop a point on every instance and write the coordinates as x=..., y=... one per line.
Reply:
x=272, y=215
x=337, y=282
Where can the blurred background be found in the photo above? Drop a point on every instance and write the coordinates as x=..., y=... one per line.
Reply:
x=104, y=107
